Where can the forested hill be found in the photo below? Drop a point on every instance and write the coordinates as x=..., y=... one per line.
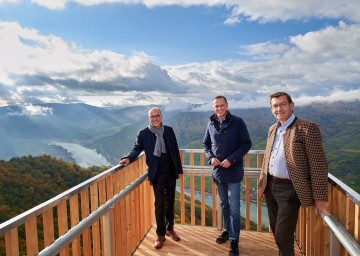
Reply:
x=28, y=181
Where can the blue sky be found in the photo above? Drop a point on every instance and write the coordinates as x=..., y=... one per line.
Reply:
x=177, y=53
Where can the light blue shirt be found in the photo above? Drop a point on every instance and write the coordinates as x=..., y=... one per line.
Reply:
x=277, y=164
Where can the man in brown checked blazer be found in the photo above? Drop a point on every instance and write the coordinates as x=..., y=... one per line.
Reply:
x=294, y=171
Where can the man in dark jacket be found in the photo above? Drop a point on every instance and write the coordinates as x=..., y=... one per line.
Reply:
x=159, y=143
x=225, y=143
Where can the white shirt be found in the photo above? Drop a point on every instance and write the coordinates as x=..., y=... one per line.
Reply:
x=277, y=164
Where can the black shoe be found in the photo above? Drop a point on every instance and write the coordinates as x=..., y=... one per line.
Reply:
x=234, y=248
x=223, y=238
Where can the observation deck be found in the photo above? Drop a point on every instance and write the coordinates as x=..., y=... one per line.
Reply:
x=112, y=214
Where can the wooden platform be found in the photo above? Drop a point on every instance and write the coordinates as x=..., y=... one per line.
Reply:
x=197, y=240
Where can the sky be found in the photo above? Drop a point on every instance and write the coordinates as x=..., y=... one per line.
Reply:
x=177, y=53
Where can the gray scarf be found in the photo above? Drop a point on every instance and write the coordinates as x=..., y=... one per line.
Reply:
x=160, y=143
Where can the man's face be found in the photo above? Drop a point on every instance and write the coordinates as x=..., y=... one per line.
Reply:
x=281, y=108
x=220, y=107
x=155, y=118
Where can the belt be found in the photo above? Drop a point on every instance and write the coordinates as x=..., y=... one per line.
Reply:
x=280, y=180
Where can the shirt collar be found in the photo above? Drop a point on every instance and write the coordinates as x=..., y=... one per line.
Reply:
x=287, y=122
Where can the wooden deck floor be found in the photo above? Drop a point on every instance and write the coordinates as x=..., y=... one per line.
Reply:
x=197, y=240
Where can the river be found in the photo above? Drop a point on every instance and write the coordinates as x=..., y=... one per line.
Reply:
x=84, y=157
x=253, y=207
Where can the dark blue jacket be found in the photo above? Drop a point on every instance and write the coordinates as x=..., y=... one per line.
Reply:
x=145, y=141
x=231, y=142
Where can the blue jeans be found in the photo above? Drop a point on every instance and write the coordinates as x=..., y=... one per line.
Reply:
x=230, y=205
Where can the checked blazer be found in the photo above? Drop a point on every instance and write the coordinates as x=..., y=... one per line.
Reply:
x=305, y=160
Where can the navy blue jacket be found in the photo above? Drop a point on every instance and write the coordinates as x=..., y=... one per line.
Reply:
x=146, y=140
x=231, y=142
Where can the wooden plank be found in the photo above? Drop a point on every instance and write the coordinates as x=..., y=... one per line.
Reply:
x=182, y=200
x=63, y=224
x=318, y=238
x=12, y=242
x=127, y=214
x=192, y=200
x=109, y=187
x=191, y=158
x=203, y=202
x=117, y=229
x=247, y=160
x=133, y=221
x=350, y=216
x=123, y=228
x=213, y=188
x=259, y=160
x=247, y=202
x=48, y=224
x=74, y=220
x=202, y=159
x=200, y=241
x=85, y=211
x=95, y=228
x=357, y=224
x=301, y=228
x=31, y=236
x=102, y=200
x=107, y=234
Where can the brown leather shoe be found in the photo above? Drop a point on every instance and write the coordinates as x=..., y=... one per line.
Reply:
x=173, y=235
x=159, y=242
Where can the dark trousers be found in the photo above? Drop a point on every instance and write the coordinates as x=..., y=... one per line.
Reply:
x=283, y=206
x=164, y=192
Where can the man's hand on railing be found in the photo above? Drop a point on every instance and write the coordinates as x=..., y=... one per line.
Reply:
x=322, y=205
x=124, y=161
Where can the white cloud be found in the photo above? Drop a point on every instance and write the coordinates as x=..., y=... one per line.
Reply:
x=9, y=1
x=252, y=10
x=51, y=4
x=324, y=63
x=37, y=68
x=32, y=110
x=282, y=10
x=48, y=64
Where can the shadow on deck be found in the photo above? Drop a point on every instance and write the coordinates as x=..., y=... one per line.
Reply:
x=199, y=240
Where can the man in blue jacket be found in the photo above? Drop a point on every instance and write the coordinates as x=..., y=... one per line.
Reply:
x=226, y=142
x=159, y=143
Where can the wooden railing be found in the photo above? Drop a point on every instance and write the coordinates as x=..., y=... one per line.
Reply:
x=131, y=217
x=115, y=210
x=196, y=167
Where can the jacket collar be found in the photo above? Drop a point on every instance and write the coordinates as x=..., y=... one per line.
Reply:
x=228, y=117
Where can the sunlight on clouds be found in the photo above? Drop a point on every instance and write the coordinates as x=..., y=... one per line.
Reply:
x=330, y=41
x=9, y=1
x=26, y=51
x=251, y=10
x=31, y=58
x=36, y=110
x=280, y=10
x=314, y=63
x=51, y=4
x=264, y=50
x=32, y=110
x=333, y=96
x=46, y=68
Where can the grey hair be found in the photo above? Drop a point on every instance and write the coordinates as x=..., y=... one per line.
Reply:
x=154, y=108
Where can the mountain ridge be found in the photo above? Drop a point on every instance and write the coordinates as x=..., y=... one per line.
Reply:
x=112, y=132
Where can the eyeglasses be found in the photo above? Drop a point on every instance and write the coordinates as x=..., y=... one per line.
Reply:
x=281, y=105
x=154, y=117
